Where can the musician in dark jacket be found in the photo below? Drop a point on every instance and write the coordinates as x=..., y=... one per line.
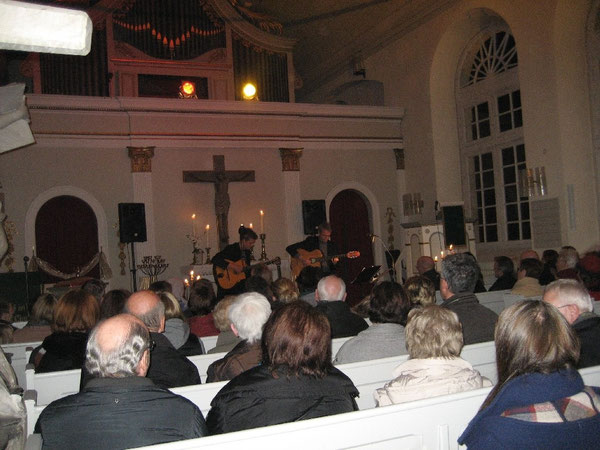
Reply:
x=229, y=264
x=321, y=242
x=291, y=384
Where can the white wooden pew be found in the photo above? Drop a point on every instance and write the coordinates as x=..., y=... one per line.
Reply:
x=19, y=359
x=51, y=386
x=209, y=342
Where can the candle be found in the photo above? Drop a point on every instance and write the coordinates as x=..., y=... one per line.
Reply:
x=435, y=259
x=194, y=225
x=262, y=221
x=442, y=254
x=207, y=241
x=250, y=226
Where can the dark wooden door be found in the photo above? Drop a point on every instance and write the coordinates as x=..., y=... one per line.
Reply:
x=349, y=217
x=66, y=235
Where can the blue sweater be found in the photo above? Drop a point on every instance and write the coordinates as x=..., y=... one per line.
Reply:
x=489, y=429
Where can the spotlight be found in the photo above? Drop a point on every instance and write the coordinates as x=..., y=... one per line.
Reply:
x=249, y=92
x=187, y=89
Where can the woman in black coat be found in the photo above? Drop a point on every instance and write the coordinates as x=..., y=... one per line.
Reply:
x=290, y=384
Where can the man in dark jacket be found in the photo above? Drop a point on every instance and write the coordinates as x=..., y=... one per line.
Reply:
x=330, y=296
x=119, y=407
x=321, y=242
x=168, y=367
x=426, y=268
x=573, y=301
x=504, y=270
x=458, y=279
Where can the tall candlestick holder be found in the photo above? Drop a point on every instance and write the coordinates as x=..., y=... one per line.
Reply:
x=263, y=251
x=207, y=255
x=153, y=266
x=197, y=252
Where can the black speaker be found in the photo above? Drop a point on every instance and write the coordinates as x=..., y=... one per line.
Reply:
x=313, y=215
x=132, y=222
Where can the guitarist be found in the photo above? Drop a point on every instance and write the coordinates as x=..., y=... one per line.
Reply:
x=322, y=241
x=235, y=258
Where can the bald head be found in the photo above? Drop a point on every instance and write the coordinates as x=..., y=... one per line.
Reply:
x=529, y=254
x=118, y=347
x=331, y=289
x=146, y=306
x=425, y=264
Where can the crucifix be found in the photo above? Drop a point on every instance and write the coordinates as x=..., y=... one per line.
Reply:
x=221, y=179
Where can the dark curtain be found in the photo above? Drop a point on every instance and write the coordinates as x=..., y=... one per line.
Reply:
x=268, y=70
x=66, y=235
x=171, y=29
x=77, y=75
x=349, y=217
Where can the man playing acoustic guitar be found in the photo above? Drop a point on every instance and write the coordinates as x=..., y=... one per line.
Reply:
x=231, y=262
x=319, y=246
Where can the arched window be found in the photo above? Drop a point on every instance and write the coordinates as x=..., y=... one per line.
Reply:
x=490, y=129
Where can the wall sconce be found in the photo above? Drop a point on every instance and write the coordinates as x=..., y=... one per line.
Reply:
x=532, y=182
x=412, y=204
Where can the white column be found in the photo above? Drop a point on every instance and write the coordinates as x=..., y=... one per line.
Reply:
x=290, y=160
x=141, y=174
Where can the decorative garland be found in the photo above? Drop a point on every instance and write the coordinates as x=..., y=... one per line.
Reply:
x=99, y=258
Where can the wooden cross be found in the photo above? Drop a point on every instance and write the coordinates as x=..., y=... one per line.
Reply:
x=221, y=179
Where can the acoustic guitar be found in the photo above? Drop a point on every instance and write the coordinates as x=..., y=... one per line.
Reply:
x=227, y=278
x=316, y=258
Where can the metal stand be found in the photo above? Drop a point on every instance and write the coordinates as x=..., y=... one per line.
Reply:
x=133, y=269
x=207, y=255
x=263, y=252
x=25, y=261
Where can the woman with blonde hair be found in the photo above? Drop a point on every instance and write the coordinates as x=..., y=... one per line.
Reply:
x=540, y=400
x=38, y=326
x=285, y=290
x=75, y=314
x=420, y=290
x=434, y=340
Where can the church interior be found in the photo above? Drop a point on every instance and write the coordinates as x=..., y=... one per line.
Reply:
x=384, y=112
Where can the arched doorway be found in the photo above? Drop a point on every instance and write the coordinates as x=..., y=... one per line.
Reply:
x=350, y=223
x=66, y=235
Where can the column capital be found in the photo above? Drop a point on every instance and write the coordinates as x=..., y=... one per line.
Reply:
x=399, y=153
x=290, y=159
x=141, y=158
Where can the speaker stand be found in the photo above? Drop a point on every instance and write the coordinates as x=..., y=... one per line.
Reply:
x=133, y=269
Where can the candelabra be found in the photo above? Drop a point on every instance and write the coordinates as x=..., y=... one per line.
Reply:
x=263, y=252
x=197, y=252
x=153, y=266
x=207, y=255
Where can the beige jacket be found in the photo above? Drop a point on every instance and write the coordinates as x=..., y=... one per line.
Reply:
x=416, y=379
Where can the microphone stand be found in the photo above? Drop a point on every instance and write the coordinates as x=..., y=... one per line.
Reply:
x=392, y=271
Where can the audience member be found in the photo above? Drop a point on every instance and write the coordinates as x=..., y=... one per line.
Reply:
x=295, y=381
x=388, y=309
x=528, y=275
x=420, y=291
x=260, y=285
x=331, y=296
x=426, y=268
x=573, y=301
x=7, y=329
x=458, y=279
x=529, y=254
x=434, y=340
x=589, y=271
x=566, y=264
x=119, y=408
x=113, y=303
x=479, y=286
x=39, y=324
x=160, y=286
x=504, y=271
x=307, y=283
x=206, y=289
x=95, y=287
x=177, y=331
x=285, y=290
x=248, y=314
x=549, y=258
x=200, y=305
x=263, y=271
x=227, y=339
x=540, y=400
x=178, y=290
x=75, y=314
x=168, y=368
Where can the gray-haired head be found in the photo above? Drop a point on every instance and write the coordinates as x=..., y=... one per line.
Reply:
x=117, y=348
x=331, y=289
x=565, y=292
x=248, y=314
x=460, y=272
x=146, y=306
x=567, y=259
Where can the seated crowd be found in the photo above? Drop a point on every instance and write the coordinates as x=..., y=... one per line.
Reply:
x=277, y=336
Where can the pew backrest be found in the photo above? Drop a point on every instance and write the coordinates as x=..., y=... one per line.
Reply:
x=209, y=342
x=200, y=395
x=51, y=386
x=19, y=358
